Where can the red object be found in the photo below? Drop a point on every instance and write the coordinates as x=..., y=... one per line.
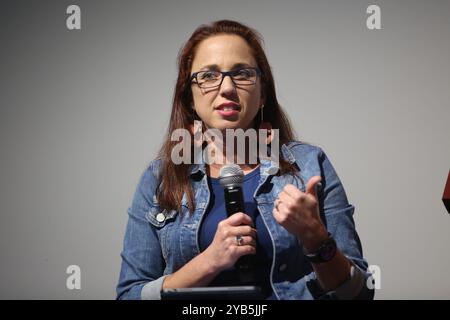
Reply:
x=228, y=113
x=446, y=195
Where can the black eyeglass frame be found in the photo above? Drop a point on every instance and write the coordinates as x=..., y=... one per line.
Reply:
x=224, y=74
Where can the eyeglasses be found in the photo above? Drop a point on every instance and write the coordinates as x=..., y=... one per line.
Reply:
x=213, y=79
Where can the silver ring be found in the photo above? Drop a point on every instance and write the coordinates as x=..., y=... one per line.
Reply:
x=239, y=240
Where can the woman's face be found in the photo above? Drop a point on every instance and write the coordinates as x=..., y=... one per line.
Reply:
x=224, y=53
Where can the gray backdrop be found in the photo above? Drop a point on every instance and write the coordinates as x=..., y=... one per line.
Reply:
x=83, y=112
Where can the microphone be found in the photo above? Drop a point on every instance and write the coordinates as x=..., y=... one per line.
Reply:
x=231, y=177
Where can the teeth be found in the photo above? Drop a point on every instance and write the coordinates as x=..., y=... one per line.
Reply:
x=230, y=108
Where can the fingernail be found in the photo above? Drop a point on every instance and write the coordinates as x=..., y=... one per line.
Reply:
x=318, y=186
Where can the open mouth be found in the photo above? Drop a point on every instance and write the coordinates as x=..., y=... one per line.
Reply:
x=230, y=107
x=228, y=110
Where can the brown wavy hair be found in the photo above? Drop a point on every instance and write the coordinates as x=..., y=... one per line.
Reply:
x=174, y=178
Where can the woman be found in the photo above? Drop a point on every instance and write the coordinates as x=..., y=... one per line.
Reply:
x=302, y=235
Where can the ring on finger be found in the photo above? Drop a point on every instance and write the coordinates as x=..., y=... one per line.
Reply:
x=239, y=240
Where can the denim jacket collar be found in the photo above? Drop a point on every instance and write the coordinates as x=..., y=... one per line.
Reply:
x=268, y=167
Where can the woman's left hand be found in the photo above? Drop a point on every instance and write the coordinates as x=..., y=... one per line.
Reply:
x=298, y=213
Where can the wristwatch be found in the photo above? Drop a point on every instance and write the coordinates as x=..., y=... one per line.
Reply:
x=326, y=252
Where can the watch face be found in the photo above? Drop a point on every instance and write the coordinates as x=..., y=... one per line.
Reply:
x=328, y=251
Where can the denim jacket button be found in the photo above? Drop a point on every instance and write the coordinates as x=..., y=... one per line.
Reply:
x=160, y=217
x=283, y=267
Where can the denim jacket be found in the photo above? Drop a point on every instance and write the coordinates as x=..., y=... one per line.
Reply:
x=158, y=243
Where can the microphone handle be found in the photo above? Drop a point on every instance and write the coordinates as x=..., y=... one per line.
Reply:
x=234, y=202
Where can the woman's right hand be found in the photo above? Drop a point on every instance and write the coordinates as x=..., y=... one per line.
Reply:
x=224, y=250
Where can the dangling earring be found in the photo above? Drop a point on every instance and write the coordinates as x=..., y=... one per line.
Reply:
x=265, y=125
x=262, y=113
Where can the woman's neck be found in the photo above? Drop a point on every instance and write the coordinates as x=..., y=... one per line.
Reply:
x=213, y=169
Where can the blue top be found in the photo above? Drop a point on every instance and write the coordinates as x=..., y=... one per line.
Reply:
x=216, y=212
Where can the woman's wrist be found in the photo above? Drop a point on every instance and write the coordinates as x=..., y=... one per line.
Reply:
x=312, y=238
x=198, y=272
x=207, y=263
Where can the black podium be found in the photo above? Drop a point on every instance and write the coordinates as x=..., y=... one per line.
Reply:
x=213, y=293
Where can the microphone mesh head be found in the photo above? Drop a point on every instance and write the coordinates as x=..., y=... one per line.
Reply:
x=231, y=174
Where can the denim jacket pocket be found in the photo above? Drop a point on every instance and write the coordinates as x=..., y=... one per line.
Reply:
x=161, y=221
